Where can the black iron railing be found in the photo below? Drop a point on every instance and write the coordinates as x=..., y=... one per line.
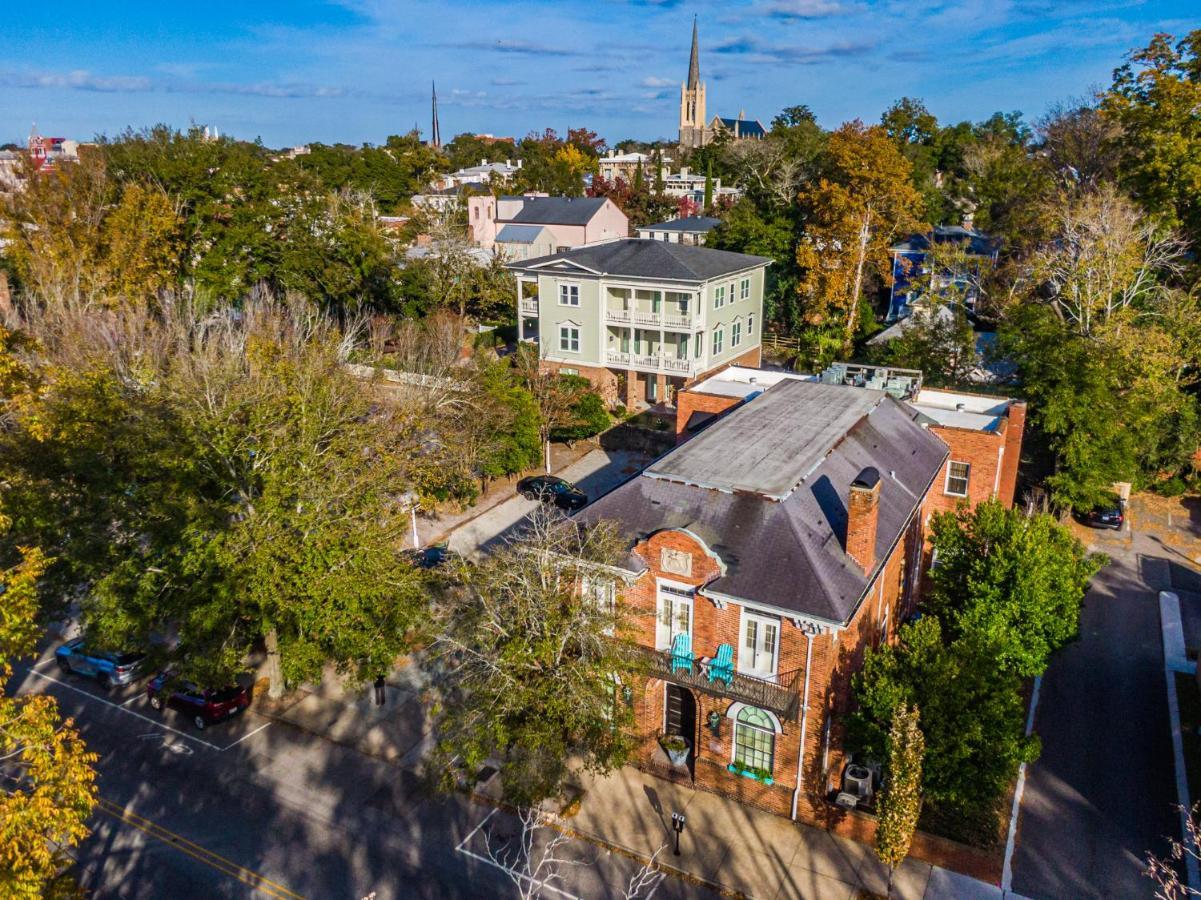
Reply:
x=781, y=695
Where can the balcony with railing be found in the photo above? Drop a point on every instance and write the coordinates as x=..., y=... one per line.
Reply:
x=781, y=695
x=644, y=319
x=529, y=306
x=651, y=362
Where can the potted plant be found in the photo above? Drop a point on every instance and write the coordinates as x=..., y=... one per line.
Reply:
x=676, y=747
x=752, y=772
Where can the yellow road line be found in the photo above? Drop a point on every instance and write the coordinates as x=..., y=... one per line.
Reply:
x=208, y=857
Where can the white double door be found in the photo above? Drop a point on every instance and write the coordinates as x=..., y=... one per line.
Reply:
x=675, y=614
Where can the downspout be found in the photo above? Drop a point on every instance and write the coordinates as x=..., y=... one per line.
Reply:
x=800, y=762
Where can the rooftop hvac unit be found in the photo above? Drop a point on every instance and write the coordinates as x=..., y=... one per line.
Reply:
x=858, y=781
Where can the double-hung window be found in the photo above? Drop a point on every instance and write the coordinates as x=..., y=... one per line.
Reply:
x=569, y=338
x=957, y=478
x=754, y=740
x=603, y=594
x=569, y=295
x=718, y=336
x=735, y=334
x=750, y=324
x=719, y=296
x=744, y=289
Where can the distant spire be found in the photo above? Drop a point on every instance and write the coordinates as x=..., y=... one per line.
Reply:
x=694, y=64
x=436, y=133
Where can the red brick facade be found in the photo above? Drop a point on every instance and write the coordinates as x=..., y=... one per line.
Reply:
x=810, y=654
x=993, y=457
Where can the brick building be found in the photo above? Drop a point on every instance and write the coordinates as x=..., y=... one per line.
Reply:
x=767, y=553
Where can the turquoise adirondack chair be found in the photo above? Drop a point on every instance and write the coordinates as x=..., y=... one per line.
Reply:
x=681, y=653
x=722, y=666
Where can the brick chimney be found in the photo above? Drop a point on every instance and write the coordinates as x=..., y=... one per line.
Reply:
x=863, y=512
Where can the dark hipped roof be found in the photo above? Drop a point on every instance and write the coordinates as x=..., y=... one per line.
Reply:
x=786, y=553
x=646, y=258
x=691, y=223
x=974, y=242
x=557, y=210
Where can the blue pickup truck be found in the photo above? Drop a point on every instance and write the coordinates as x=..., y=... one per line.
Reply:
x=108, y=669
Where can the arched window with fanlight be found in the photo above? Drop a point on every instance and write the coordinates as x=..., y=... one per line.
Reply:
x=754, y=739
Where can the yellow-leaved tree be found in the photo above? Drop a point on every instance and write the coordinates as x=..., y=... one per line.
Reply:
x=47, y=783
x=853, y=213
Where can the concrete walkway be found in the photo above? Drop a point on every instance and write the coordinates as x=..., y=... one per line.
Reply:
x=597, y=473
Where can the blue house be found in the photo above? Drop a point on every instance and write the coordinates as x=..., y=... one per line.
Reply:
x=909, y=265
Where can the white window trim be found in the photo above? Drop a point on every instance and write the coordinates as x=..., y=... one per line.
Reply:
x=775, y=653
x=735, y=332
x=719, y=341
x=732, y=715
x=569, y=284
x=736, y=708
x=661, y=583
x=946, y=487
x=567, y=327
x=744, y=289
x=750, y=324
x=719, y=296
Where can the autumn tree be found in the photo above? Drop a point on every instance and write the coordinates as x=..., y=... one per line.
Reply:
x=900, y=802
x=54, y=228
x=1154, y=100
x=49, y=782
x=557, y=397
x=853, y=213
x=142, y=244
x=533, y=643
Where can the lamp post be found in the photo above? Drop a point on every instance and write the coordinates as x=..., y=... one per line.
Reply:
x=677, y=825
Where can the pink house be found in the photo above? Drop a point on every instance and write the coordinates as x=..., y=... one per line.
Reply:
x=570, y=221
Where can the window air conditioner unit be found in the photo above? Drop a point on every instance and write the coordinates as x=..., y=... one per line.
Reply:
x=858, y=781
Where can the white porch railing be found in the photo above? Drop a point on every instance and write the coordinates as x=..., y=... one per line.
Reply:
x=529, y=306
x=650, y=319
x=650, y=363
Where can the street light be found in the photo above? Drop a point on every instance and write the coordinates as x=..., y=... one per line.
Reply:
x=677, y=825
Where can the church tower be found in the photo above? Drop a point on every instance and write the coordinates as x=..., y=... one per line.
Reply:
x=692, y=101
x=436, y=130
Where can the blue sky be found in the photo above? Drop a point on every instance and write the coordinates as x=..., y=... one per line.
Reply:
x=358, y=70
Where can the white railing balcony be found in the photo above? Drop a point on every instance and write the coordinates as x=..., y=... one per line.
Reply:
x=644, y=319
x=529, y=306
x=651, y=363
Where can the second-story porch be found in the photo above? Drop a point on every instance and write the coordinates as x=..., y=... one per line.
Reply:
x=652, y=308
x=780, y=694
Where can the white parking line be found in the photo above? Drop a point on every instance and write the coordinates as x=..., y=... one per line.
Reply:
x=482, y=823
x=137, y=696
x=128, y=712
x=243, y=737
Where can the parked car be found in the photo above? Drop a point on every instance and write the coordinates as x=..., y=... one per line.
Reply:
x=1108, y=514
x=430, y=557
x=205, y=706
x=107, y=668
x=550, y=489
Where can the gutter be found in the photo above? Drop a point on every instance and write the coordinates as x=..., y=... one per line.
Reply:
x=800, y=762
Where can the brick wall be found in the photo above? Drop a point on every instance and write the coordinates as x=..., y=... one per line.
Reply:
x=606, y=382
x=1015, y=429
x=689, y=402
x=834, y=659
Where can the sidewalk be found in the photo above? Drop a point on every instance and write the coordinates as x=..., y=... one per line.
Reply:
x=742, y=851
x=731, y=848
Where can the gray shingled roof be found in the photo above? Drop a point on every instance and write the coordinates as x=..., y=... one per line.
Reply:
x=519, y=234
x=646, y=258
x=689, y=224
x=787, y=553
x=558, y=210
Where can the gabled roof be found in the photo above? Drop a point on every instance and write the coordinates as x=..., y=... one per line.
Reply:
x=646, y=258
x=557, y=210
x=745, y=127
x=782, y=544
x=699, y=224
x=519, y=234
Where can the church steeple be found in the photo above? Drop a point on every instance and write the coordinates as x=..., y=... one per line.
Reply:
x=694, y=64
x=692, y=99
x=435, y=132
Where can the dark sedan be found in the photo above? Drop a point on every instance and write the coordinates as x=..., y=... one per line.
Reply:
x=204, y=706
x=550, y=489
x=1105, y=515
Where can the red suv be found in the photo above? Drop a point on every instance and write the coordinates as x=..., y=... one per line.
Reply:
x=206, y=706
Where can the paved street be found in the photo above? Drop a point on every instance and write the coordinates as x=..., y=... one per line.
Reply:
x=1103, y=791
x=256, y=807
